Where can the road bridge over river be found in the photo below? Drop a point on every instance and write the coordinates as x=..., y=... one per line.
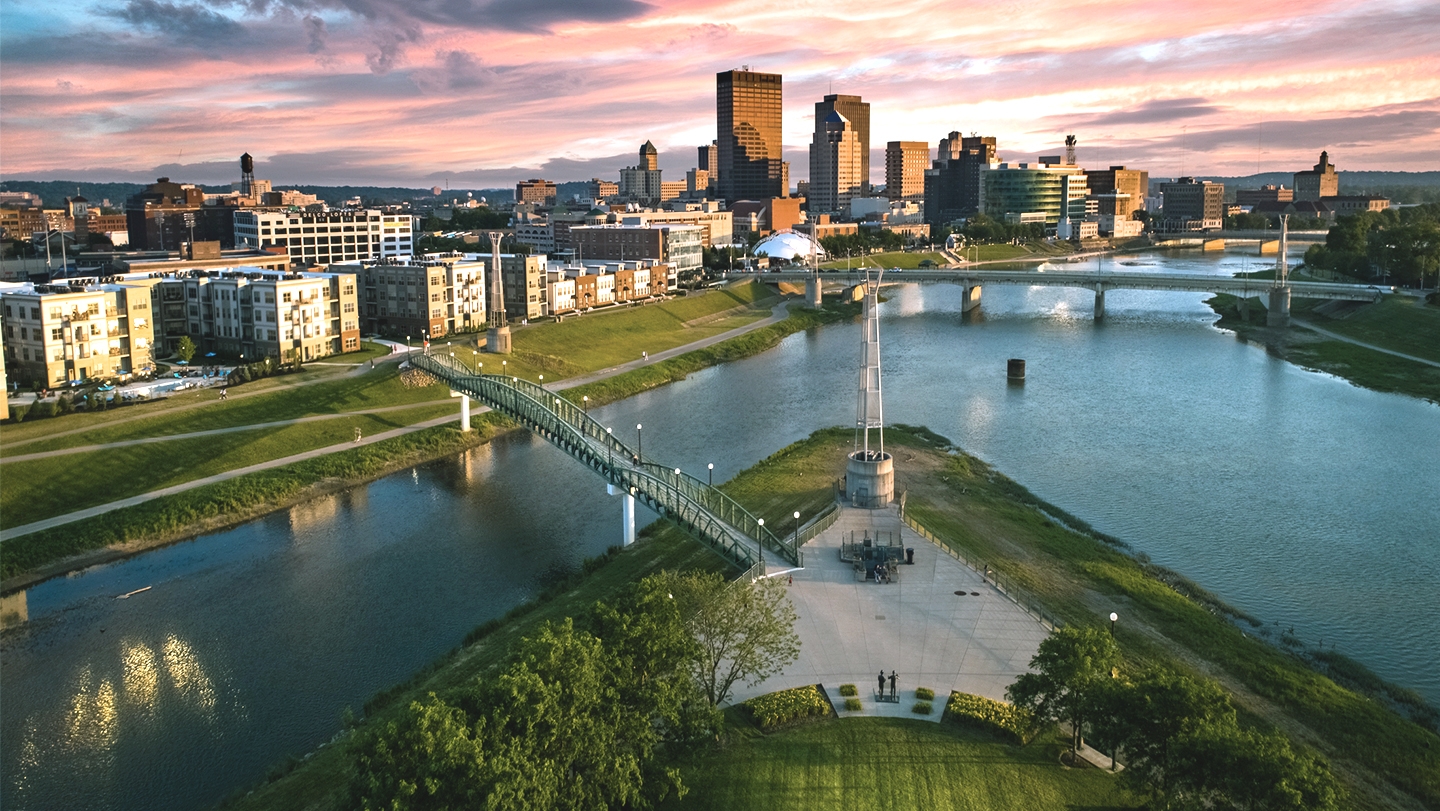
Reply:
x=703, y=511
x=973, y=279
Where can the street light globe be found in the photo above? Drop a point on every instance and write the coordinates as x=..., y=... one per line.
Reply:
x=760, y=521
x=638, y=426
x=797, y=515
x=677, y=471
x=1114, y=616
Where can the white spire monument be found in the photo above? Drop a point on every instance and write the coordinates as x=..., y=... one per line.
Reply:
x=870, y=473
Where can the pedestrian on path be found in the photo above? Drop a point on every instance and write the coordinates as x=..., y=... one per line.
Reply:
x=222, y=394
x=645, y=355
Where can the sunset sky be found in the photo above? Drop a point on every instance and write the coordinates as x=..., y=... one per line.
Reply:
x=480, y=93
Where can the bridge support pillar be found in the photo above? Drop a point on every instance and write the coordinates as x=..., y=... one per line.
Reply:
x=812, y=292
x=627, y=512
x=971, y=299
x=464, y=410
x=1099, y=304
x=1245, y=310
x=1279, y=313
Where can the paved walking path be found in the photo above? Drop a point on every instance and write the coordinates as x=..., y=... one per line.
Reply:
x=1337, y=336
x=778, y=313
x=920, y=627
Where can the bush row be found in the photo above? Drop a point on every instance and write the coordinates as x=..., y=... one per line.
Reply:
x=774, y=709
x=997, y=717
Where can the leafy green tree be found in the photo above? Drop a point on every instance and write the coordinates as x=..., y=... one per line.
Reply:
x=1072, y=668
x=429, y=758
x=185, y=349
x=745, y=631
x=1149, y=716
x=1223, y=767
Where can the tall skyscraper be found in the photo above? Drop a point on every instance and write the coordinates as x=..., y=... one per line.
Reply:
x=835, y=165
x=857, y=112
x=953, y=185
x=747, y=112
x=649, y=158
x=905, y=165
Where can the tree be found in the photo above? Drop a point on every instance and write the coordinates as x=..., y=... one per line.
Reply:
x=429, y=758
x=1221, y=766
x=1072, y=667
x=745, y=631
x=185, y=349
x=1151, y=715
x=580, y=718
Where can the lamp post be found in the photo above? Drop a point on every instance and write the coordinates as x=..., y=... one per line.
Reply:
x=608, y=437
x=712, y=473
x=760, y=542
x=585, y=403
x=797, y=529
x=475, y=358
x=542, y=381
x=1113, y=617
x=639, y=444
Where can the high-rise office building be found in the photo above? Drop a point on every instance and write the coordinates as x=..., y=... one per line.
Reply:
x=905, y=165
x=1189, y=199
x=748, y=112
x=857, y=112
x=642, y=182
x=1124, y=189
x=835, y=165
x=1320, y=182
x=952, y=184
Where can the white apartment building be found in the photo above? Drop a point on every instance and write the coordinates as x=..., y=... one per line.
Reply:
x=56, y=333
x=559, y=292
x=328, y=237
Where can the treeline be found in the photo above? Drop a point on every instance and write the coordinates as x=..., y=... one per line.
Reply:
x=866, y=240
x=1177, y=735
x=589, y=712
x=983, y=229
x=1401, y=246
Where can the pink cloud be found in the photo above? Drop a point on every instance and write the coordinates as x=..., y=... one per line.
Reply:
x=396, y=92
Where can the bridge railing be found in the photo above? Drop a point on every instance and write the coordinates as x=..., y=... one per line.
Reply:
x=683, y=498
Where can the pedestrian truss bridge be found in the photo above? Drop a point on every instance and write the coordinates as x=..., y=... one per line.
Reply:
x=703, y=511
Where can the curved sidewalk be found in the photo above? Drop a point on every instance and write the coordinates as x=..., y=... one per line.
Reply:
x=777, y=313
x=1345, y=338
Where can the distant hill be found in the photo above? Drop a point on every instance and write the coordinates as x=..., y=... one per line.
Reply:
x=1401, y=187
x=54, y=192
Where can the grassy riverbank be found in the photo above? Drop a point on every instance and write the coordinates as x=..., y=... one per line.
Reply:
x=1386, y=760
x=171, y=518
x=1397, y=323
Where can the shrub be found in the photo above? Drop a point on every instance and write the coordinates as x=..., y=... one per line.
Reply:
x=852, y=705
x=924, y=693
x=922, y=708
x=773, y=709
x=17, y=413
x=848, y=690
x=996, y=717
x=41, y=410
x=64, y=405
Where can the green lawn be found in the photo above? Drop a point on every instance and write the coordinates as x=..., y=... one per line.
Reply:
x=43, y=488
x=1399, y=323
x=378, y=389
x=895, y=259
x=366, y=352
x=893, y=763
x=602, y=339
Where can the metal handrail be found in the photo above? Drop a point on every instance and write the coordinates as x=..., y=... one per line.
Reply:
x=705, y=512
x=991, y=576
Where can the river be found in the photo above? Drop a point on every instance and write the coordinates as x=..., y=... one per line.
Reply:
x=1294, y=495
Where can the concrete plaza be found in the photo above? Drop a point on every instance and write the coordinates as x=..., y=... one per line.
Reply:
x=919, y=626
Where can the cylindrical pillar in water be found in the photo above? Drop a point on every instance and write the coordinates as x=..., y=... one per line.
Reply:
x=1015, y=369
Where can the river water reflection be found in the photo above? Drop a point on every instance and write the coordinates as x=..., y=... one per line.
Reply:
x=1294, y=495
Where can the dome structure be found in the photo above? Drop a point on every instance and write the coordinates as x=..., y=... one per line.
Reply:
x=789, y=245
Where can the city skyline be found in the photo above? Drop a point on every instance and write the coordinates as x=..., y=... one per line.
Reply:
x=484, y=94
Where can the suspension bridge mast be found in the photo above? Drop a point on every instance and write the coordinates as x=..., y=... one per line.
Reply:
x=497, y=339
x=1279, y=313
x=870, y=473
